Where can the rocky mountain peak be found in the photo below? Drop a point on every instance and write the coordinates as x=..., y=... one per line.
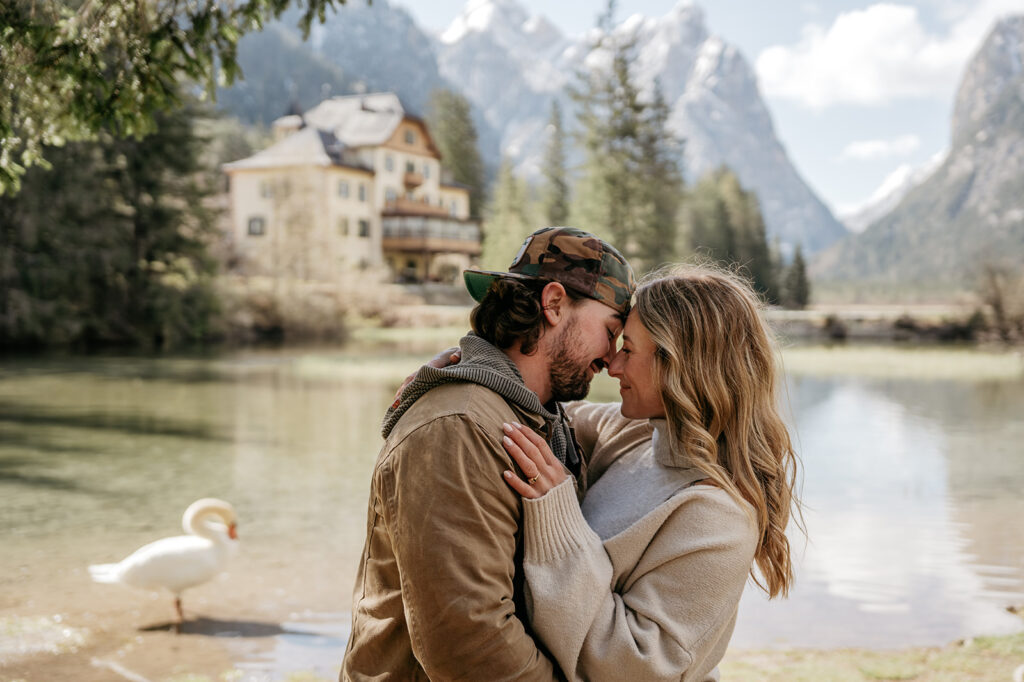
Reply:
x=970, y=211
x=496, y=54
x=997, y=64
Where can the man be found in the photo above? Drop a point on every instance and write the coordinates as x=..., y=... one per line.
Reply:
x=438, y=593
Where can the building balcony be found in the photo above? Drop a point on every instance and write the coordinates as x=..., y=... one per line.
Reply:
x=424, y=234
x=413, y=207
x=413, y=180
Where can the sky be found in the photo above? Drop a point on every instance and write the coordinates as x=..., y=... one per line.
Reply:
x=859, y=92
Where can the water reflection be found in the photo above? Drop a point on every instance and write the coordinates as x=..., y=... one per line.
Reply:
x=912, y=489
x=902, y=549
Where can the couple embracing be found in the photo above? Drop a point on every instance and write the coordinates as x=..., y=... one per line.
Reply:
x=516, y=532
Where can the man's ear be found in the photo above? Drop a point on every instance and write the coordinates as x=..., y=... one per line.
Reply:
x=554, y=300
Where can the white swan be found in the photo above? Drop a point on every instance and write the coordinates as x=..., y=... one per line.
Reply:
x=180, y=562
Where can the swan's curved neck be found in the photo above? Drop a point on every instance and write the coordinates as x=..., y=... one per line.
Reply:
x=197, y=521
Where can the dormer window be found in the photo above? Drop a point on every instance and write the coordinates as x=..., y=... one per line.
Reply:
x=410, y=136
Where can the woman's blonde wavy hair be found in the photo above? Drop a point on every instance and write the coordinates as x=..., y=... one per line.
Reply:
x=715, y=356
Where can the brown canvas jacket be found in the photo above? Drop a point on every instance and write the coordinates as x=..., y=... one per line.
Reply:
x=438, y=593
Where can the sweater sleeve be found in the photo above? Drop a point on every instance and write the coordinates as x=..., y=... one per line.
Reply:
x=453, y=524
x=663, y=616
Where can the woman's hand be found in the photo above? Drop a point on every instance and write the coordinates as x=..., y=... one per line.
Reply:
x=541, y=468
x=446, y=358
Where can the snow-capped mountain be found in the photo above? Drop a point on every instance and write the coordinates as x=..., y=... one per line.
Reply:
x=889, y=194
x=969, y=212
x=511, y=66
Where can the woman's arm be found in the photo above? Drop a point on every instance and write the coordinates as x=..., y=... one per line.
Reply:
x=666, y=613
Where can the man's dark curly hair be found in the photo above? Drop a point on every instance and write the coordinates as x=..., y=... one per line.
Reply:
x=511, y=311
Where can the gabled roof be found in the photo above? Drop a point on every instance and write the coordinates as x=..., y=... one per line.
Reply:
x=306, y=147
x=359, y=120
x=331, y=131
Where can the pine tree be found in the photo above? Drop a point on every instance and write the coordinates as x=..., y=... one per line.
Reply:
x=662, y=187
x=555, y=192
x=110, y=246
x=724, y=222
x=609, y=109
x=709, y=229
x=796, y=288
x=507, y=222
x=451, y=126
x=631, y=183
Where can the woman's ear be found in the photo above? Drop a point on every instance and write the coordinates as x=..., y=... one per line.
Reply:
x=554, y=300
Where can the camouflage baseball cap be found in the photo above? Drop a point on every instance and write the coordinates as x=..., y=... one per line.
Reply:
x=576, y=259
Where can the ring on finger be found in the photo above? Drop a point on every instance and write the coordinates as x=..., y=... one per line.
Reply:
x=533, y=480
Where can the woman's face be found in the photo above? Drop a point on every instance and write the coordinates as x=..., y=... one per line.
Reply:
x=633, y=366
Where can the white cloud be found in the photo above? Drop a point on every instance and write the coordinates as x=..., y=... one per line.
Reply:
x=877, y=54
x=869, y=150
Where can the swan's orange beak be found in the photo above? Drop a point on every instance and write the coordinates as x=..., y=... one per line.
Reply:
x=233, y=531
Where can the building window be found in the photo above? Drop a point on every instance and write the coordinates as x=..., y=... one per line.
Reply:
x=453, y=209
x=410, y=137
x=266, y=189
x=410, y=167
x=364, y=228
x=389, y=163
x=362, y=192
x=426, y=171
x=343, y=226
x=343, y=189
x=390, y=194
x=257, y=226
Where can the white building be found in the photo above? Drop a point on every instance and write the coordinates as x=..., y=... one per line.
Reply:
x=356, y=182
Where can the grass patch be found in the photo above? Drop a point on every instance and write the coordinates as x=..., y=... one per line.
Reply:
x=984, y=659
x=885, y=362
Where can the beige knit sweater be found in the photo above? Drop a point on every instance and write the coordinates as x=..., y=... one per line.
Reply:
x=643, y=582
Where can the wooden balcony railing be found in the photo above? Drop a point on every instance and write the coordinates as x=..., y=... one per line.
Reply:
x=413, y=207
x=430, y=234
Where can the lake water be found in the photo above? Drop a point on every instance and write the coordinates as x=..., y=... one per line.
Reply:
x=913, y=473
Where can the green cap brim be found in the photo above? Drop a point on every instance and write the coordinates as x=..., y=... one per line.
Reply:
x=479, y=281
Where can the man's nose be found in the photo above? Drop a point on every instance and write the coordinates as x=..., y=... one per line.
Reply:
x=610, y=355
x=615, y=366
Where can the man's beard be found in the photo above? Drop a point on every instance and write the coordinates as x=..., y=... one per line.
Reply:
x=569, y=375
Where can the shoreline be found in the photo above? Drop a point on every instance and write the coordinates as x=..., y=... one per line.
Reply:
x=953, y=324
x=239, y=650
x=996, y=658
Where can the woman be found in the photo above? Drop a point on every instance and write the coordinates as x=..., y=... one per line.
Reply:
x=694, y=486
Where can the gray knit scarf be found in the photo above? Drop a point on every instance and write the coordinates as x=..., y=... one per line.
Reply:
x=484, y=364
